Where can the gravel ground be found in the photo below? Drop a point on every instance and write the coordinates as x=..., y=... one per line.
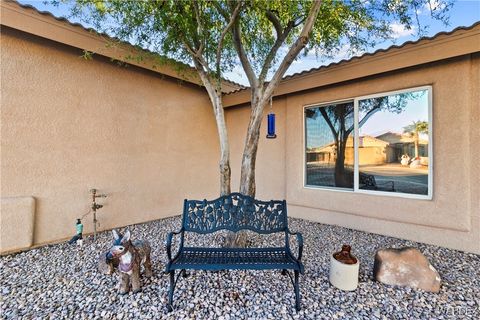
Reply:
x=62, y=281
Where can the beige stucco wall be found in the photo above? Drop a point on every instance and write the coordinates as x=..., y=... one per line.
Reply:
x=16, y=223
x=68, y=125
x=148, y=142
x=452, y=217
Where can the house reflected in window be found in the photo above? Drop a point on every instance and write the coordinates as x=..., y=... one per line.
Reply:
x=393, y=144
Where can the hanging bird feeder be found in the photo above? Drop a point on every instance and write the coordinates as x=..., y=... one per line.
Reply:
x=271, y=123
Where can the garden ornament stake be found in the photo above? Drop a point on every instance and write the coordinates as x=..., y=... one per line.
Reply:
x=129, y=255
x=271, y=123
x=95, y=207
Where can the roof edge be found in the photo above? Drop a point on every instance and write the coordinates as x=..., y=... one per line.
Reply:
x=407, y=43
x=443, y=45
x=27, y=18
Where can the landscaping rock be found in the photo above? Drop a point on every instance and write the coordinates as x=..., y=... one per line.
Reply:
x=62, y=282
x=406, y=267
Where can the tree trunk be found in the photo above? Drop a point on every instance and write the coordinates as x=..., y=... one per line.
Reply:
x=339, y=174
x=224, y=164
x=261, y=92
x=215, y=96
x=247, y=175
x=416, y=138
x=230, y=239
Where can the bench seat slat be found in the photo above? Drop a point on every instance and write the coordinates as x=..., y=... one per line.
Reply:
x=234, y=258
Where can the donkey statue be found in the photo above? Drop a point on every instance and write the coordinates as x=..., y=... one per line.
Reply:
x=127, y=256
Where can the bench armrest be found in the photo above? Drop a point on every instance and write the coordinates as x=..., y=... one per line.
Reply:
x=299, y=241
x=169, y=243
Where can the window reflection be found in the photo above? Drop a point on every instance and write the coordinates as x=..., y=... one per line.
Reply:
x=393, y=143
x=329, y=145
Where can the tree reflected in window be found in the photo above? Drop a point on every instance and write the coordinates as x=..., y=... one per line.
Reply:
x=330, y=156
x=392, y=144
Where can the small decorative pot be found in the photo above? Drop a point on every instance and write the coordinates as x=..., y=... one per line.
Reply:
x=344, y=276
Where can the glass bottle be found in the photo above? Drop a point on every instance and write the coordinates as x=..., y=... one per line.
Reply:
x=344, y=256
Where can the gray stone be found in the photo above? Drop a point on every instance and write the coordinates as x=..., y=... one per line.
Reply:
x=43, y=281
x=406, y=267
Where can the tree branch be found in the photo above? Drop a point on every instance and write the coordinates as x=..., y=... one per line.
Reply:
x=196, y=57
x=189, y=48
x=200, y=26
x=273, y=51
x=367, y=116
x=295, y=49
x=329, y=122
x=216, y=99
x=247, y=67
x=205, y=79
x=233, y=19
x=275, y=21
x=220, y=10
x=370, y=113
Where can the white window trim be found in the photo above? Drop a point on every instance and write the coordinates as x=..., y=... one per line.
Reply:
x=356, y=188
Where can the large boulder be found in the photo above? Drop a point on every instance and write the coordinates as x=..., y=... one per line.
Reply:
x=406, y=267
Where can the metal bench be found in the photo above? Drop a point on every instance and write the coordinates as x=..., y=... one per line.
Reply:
x=234, y=212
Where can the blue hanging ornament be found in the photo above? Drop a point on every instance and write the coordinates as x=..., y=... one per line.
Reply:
x=271, y=123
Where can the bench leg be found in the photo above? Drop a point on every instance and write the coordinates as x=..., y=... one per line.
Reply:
x=170, y=292
x=297, y=291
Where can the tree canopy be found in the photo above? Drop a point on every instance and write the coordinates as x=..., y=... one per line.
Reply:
x=416, y=127
x=178, y=29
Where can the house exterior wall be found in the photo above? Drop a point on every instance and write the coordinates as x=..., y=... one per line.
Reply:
x=69, y=125
x=270, y=166
x=452, y=217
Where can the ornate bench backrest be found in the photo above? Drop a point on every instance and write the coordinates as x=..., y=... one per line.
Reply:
x=368, y=180
x=235, y=212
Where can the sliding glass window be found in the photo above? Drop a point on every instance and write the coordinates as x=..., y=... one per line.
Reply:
x=375, y=144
